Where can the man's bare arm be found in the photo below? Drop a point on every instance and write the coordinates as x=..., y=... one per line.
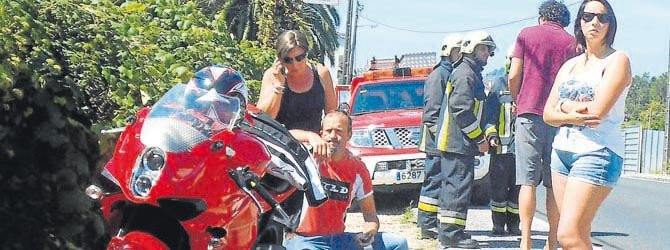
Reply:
x=515, y=76
x=371, y=225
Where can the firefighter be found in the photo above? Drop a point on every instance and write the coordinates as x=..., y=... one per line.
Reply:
x=499, y=132
x=432, y=99
x=460, y=138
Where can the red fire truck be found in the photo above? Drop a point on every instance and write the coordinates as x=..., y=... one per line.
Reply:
x=386, y=105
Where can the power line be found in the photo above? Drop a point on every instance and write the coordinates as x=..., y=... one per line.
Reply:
x=455, y=31
x=442, y=32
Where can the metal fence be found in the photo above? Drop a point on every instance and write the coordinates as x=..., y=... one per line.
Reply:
x=643, y=150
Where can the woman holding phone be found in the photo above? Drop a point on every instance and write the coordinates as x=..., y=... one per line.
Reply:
x=297, y=93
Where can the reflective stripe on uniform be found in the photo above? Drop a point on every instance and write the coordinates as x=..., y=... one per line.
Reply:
x=473, y=130
x=452, y=220
x=505, y=126
x=498, y=204
x=424, y=135
x=509, y=118
x=513, y=210
x=501, y=121
x=472, y=127
x=491, y=129
x=428, y=204
x=428, y=207
x=479, y=110
x=475, y=133
x=447, y=213
x=443, y=132
x=498, y=209
x=429, y=200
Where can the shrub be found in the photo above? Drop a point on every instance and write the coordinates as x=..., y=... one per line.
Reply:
x=67, y=66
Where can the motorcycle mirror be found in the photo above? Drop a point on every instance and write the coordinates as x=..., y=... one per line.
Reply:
x=94, y=192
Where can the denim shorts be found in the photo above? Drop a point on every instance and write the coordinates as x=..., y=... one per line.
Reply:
x=601, y=167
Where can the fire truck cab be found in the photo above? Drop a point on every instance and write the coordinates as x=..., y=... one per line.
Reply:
x=386, y=106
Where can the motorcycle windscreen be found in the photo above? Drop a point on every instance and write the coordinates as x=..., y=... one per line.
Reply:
x=186, y=116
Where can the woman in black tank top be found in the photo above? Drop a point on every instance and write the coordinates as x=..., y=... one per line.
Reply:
x=303, y=110
x=296, y=93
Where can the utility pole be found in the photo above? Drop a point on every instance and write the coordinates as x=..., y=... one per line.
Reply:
x=353, y=44
x=347, y=47
x=666, y=155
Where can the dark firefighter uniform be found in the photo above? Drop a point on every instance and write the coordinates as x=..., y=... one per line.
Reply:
x=429, y=199
x=459, y=133
x=500, y=126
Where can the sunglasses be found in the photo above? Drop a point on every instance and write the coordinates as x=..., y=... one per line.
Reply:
x=491, y=51
x=298, y=58
x=602, y=17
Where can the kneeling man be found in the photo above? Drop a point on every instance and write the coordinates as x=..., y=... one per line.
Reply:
x=345, y=178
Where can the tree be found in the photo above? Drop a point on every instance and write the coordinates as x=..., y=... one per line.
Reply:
x=263, y=20
x=646, y=103
x=123, y=57
x=653, y=117
x=48, y=153
x=68, y=66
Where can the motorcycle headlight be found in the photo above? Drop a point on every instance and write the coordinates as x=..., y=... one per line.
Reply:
x=154, y=159
x=147, y=171
x=142, y=185
x=361, y=138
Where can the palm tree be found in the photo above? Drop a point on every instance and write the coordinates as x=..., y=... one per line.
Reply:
x=263, y=20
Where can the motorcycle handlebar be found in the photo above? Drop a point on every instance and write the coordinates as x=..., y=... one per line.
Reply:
x=249, y=181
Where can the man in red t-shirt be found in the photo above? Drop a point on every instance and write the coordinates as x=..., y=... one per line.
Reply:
x=345, y=178
x=538, y=54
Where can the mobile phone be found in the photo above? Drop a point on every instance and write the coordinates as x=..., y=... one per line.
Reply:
x=283, y=70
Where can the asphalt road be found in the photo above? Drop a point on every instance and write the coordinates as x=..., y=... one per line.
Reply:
x=636, y=215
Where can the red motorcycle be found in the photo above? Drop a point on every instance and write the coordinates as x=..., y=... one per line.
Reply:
x=185, y=176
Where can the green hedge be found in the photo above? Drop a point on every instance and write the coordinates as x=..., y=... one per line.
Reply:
x=68, y=67
x=126, y=56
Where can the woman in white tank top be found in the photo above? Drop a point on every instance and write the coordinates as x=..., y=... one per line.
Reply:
x=587, y=102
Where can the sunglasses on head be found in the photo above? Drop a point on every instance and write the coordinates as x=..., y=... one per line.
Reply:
x=602, y=17
x=298, y=58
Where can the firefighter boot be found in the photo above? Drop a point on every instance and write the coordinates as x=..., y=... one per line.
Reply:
x=454, y=236
x=427, y=221
x=513, y=223
x=499, y=220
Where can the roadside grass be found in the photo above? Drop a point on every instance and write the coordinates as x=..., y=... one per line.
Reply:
x=408, y=215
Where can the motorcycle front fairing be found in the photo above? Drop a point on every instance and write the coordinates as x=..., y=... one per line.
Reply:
x=175, y=157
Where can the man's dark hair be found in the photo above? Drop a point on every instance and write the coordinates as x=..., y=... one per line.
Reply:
x=555, y=11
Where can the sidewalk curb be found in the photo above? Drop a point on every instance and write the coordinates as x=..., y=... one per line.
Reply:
x=648, y=177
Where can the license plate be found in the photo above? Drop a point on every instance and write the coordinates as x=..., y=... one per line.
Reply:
x=409, y=175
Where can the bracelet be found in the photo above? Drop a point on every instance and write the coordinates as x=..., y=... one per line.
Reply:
x=560, y=103
x=278, y=89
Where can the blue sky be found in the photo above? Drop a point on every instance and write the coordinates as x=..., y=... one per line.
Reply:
x=643, y=33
